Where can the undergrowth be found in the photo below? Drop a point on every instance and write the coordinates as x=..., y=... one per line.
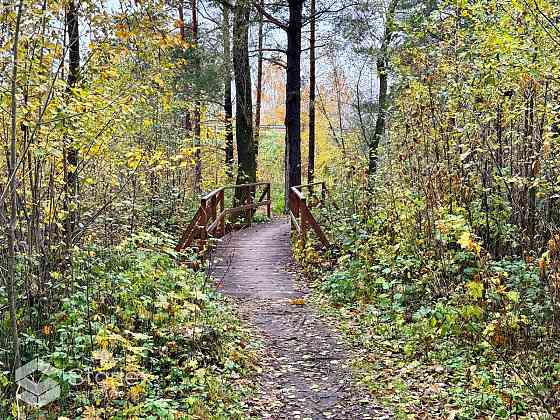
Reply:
x=445, y=329
x=134, y=335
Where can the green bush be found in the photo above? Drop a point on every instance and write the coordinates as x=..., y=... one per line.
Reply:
x=135, y=313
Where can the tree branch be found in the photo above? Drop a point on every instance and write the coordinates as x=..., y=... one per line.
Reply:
x=269, y=17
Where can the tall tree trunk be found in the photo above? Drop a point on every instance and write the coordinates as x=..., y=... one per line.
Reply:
x=311, y=147
x=247, y=168
x=286, y=176
x=187, y=117
x=259, y=83
x=293, y=94
x=228, y=109
x=196, y=114
x=382, y=64
x=11, y=226
x=71, y=182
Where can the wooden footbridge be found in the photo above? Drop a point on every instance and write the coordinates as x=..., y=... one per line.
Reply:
x=212, y=217
x=304, y=363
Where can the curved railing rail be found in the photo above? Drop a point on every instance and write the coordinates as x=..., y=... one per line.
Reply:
x=210, y=218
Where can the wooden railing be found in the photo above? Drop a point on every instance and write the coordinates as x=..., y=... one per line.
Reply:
x=210, y=218
x=300, y=205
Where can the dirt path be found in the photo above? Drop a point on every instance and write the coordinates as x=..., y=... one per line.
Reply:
x=306, y=373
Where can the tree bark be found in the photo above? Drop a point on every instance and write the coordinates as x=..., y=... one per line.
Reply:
x=247, y=168
x=196, y=113
x=228, y=109
x=286, y=176
x=293, y=94
x=188, y=123
x=71, y=182
x=311, y=146
x=259, y=83
x=11, y=274
x=382, y=68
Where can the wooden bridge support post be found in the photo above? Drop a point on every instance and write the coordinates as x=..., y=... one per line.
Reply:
x=213, y=207
x=290, y=209
x=252, y=197
x=269, y=204
x=222, y=222
x=303, y=219
x=203, y=219
x=293, y=207
x=248, y=200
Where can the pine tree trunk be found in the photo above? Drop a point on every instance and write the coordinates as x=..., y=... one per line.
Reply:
x=293, y=94
x=228, y=109
x=247, y=168
x=311, y=147
x=259, y=83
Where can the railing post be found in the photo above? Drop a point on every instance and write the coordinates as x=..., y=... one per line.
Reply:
x=214, y=204
x=296, y=204
x=247, y=201
x=269, y=204
x=303, y=219
x=252, y=194
x=222, y=222
x=204, y=219
x=291, y=208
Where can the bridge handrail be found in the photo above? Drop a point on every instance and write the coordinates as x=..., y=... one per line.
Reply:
x=299, y=209
x=209, y=219
x=231, y=187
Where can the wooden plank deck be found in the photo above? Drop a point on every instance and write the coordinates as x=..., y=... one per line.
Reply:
x=306, y=372
x=252, y=262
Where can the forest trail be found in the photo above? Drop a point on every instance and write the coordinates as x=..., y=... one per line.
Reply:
x=305, y=368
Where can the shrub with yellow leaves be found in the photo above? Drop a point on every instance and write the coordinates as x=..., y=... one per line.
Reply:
x=467, y=242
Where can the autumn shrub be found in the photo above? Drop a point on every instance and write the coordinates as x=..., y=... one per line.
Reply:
x=139, y=336
x=425, y=275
